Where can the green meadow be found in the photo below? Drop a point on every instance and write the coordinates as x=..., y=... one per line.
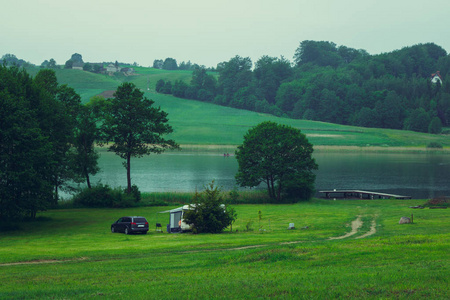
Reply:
x=338, y=249
x=198, y=123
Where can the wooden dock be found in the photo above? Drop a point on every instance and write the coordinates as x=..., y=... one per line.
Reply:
x=360, y=194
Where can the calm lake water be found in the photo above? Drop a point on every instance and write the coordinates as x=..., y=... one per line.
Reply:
x=417, y=175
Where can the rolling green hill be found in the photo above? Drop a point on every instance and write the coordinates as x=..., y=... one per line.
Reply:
x=200, y=123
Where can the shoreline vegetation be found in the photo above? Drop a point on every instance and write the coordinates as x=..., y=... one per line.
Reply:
x=222, y=149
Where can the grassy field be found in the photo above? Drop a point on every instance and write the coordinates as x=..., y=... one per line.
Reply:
x=202, y=124
x=71, y=254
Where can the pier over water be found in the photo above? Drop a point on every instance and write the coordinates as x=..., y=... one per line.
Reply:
x=346, y=194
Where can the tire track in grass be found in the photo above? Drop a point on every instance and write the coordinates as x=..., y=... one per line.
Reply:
x=372, y=231
x=356, y=225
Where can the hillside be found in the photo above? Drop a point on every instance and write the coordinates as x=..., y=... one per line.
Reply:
x=201, y=123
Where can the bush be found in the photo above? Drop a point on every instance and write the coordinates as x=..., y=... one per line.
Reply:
x=439, y=202
x=434, y=145
x=208, y=214
x=135, y=193
x=97, y=196
x=104, y=196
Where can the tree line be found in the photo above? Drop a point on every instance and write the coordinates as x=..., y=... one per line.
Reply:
x=331, y=83
x=47, y=138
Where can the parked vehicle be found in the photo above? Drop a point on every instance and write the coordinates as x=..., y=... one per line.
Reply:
x=130, y=225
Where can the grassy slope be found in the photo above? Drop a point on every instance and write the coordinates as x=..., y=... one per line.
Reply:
x=199, y=123
x=399, y=261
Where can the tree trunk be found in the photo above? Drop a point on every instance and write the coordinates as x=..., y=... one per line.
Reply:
x=279, y=191
x=129, y=172
x=272, y=186
x=88, y=180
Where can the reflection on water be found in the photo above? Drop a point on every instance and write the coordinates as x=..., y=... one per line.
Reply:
x=416, y=175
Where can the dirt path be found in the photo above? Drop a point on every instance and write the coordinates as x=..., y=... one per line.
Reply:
x=356, y=224
x=373, y=230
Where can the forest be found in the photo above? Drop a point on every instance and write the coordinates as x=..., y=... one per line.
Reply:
x=404, y=89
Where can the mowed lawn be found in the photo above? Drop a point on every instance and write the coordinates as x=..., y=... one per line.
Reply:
x=71, y=254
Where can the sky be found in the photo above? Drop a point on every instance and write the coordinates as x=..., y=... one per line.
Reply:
x=208, y=32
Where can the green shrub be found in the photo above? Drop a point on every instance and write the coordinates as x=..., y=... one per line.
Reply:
x=209, y=215
x=434, y=145
x=97, y=196
x=104, y=196
x=439, y=202
x=135, y=193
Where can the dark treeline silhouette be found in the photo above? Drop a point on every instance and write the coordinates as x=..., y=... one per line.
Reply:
x=404, y=89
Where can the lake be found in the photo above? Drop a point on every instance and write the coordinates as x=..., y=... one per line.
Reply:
x=420, y=176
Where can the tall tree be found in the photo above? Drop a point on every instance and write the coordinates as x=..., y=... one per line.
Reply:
x=279, y=156
x=234, y=75
x=85, y=157
x=57, y=116
x=26, y=159
x=134, y=127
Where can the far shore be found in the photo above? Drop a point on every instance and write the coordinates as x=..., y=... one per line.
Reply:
x=230, y=149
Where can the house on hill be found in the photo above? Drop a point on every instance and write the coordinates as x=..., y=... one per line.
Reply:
x=127, y=71
x=436, y=77
x=111, y=68
x=77, y=66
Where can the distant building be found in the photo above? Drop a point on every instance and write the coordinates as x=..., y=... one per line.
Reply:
x=111, y=68
x=435, y=77
x=77, y=66
x=127, y=71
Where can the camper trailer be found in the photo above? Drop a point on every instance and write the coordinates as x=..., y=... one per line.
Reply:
x=176, y=221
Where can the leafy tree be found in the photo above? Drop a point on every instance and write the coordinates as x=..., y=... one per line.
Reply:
x=158, y=63
x=275, y=155
x=179, y=89
x=418, y=120
x=320, y=53
x=88, y=67
x=208, y=213
x=170, y=64
x=57, y=117
x=134, y=126
x=203, y=81
x=167, y=89
x=85, y=157
x=12, y=60
x=25, y=152
x=435, y=126
x=160, y=85
x=269, y=73
x=76, y=58
x=234, y=75
x=52, y=64
x=68, y=64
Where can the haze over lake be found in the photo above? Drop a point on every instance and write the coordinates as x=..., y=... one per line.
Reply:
x=420, y=176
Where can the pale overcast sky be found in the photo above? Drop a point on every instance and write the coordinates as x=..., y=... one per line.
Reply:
x=208, y=32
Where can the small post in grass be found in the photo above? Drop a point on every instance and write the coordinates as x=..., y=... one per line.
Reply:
x=412, y=219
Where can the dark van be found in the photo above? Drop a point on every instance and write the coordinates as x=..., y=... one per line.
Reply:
x=130, y=225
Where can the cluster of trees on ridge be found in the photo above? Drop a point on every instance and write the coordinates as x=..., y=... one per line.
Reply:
x=171, y=64
x=333, y=84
